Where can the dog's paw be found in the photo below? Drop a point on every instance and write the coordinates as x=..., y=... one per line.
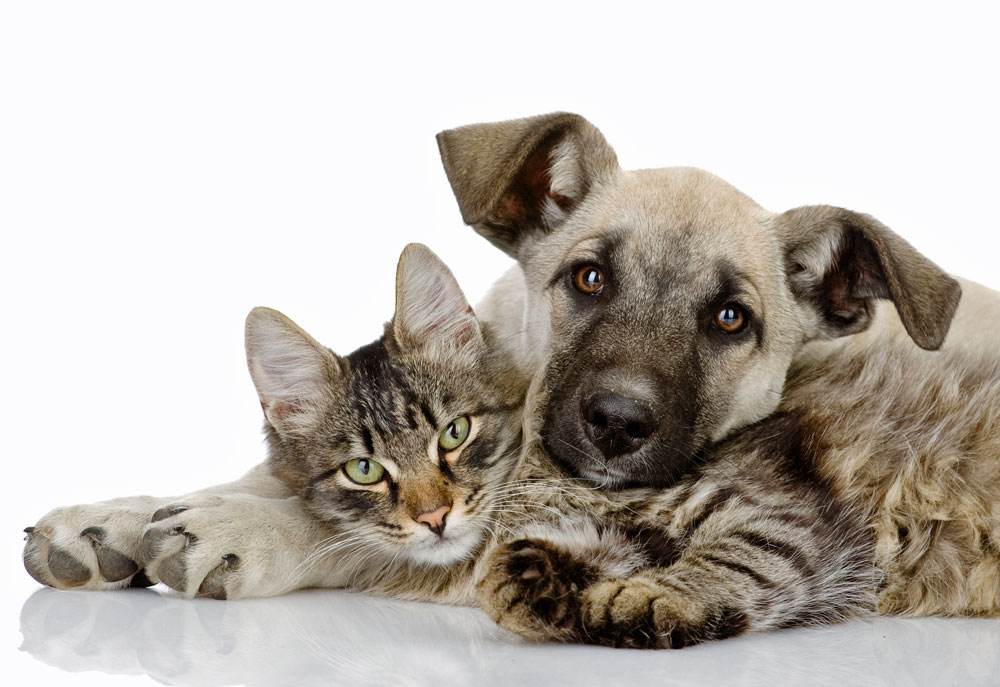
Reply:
x=533, y=588
x=642, y=613
x=94, y=546
x=228, y=547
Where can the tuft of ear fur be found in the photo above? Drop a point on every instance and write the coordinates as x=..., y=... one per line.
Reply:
x=291, y=370
x=515, y=178
x=431, y=310
x=841, y=260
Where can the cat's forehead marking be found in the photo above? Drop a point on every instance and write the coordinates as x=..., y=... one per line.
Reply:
x=378, y=389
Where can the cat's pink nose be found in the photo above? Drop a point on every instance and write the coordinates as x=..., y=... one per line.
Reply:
x=434, y=519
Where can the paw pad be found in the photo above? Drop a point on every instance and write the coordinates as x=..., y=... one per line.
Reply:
x=214, y=584
x=114, y=565
x=67, y=569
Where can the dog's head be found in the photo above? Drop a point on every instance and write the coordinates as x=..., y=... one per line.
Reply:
x=665, y=306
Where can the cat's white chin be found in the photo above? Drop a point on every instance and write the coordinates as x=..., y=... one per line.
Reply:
x=452, y=547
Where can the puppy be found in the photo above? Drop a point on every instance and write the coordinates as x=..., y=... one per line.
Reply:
x=664, y=310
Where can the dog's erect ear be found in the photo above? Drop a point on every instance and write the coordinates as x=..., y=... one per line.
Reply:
x=431, y=310
x=840, y=261
x=522, y=176
x=292, y=372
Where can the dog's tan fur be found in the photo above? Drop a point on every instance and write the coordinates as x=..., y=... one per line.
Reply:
x=923, y=461
x=931, y=492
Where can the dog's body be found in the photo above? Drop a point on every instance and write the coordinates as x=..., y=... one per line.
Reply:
x=922, y=462
x=663, y=311
x=932, y=497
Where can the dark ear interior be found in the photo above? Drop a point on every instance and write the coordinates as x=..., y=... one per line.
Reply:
x=516, y=178
x=841, y=261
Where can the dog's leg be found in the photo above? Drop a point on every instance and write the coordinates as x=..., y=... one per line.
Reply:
x=727, y=569
x=98, y=546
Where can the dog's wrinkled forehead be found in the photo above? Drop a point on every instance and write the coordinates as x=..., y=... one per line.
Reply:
x=679, y=225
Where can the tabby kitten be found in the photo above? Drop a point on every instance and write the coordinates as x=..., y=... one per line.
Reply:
x=404, y=444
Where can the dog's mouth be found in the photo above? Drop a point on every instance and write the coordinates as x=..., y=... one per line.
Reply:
x=602, y=476
x=646, y=469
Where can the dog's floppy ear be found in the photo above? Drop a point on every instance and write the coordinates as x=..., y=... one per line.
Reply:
x=291, y=370
x=522, y=176
x=431, y=310
x=840, y=261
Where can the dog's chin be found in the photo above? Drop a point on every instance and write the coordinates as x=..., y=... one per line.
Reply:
x=658, y=464
x=604, y=477
x=581, y=460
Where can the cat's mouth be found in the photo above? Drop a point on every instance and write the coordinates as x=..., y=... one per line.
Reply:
x=456, y=543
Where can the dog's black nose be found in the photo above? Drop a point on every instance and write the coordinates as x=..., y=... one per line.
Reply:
x=616, y=424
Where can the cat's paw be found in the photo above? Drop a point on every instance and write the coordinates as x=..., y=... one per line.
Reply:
x=94, y=546
x=228, y=547
x=533, y=588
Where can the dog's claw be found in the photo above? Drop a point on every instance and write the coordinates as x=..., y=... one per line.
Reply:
x=95, y=534
x=167, y=511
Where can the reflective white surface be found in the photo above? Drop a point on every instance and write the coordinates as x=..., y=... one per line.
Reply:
x=339, y=638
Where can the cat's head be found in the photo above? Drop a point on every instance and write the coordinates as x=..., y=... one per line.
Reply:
x=406, y=442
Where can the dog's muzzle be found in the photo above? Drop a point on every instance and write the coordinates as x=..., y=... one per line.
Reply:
x=616, y=424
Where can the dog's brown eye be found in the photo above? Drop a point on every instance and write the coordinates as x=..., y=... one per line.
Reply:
x=588, y=279
x=731, y=318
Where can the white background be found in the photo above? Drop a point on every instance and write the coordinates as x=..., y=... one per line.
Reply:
x=164, y=167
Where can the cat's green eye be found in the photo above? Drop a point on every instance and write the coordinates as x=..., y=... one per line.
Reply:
x=364, y=471
x=455, y=434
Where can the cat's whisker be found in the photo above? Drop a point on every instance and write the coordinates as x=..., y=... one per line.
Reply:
x=534, y=505
x=497, y=522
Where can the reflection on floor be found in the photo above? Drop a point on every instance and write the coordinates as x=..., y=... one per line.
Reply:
x=338, y=638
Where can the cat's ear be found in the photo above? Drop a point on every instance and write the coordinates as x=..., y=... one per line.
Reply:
x=431, y=310
x=293, y=373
